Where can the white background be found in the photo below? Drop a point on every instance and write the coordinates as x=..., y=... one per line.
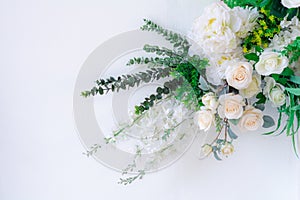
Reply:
x=42, y=47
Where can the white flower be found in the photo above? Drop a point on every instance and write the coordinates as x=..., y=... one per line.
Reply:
x=231, y=106
x=274, y=91
x=210, y=101
x=253, y=88
x=212, y=30
x=239, y=74
x=215, y=72
x=227, y=149
x=290, y=31
x=271, y=63
x=252, y=119
x=290, y=3
x=206, y=149
x=205, y=119
x=244, y=19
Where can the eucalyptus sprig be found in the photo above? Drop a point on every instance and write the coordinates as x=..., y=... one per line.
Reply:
x=176, y=39
x=127, y=81
x=155, y=61
x=129, y=180
x=168, y=87
x=92, y=150
x=162, y=51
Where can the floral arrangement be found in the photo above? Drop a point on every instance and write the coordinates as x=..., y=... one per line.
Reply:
x=247, y=56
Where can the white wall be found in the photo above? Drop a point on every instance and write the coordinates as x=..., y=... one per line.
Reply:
x=42, y=46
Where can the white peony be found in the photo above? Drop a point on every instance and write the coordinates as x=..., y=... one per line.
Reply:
x=239, y=74
x=212, y=30
x=210, y=101
x=244, y=20
x=253, y=88
x=290, y=3
x=205, y=119
x=231, y=106
x=271, y=63
x=252, y=119
x=274, y=91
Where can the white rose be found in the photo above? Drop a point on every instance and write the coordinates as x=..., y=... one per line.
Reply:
x=277, y=96
x=231, y=106
x=271, y=63
x=210, y=101
x=215, y=72
x=290, y=3
x=212, y=30
x=253, y=88
x=205, y=119
x=227, y=149
x=239, y=74
x=274, y=91
x=252, y=119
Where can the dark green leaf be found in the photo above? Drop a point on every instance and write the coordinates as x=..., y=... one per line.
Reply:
x=260, y=106
x=268, y=121
x=287, y=72
x=261, y=98
x=216, y=156
x=252, y=56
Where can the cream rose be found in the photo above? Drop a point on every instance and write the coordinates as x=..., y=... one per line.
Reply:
x=290, y=3
x=227, y=149
x=205, y=119
x=252, y=119
x=239, y=74
x=253, y=88
x=231, y=106
x=206, y=149
x=274, y=91
x=210, y=101
x=271, y=63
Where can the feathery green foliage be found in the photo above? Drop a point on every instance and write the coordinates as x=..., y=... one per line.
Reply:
x=126, y=81
x=179, y=42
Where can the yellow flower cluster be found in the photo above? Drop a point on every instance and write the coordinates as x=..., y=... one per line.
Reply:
x=267, y=28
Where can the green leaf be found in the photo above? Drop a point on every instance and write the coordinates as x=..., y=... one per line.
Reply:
x=261, y=98
x=294, y=145
x=294, y=91
x=252, y=56
x=234, y=121
x=282, y=81
x=287, y=72
x=268, y=121
x=296, y=107
x=290, y=123
x=260, y=106
x=217, y=156
x=278, y=125
x=276, y=77
x=231, y=134
x=295, y=79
